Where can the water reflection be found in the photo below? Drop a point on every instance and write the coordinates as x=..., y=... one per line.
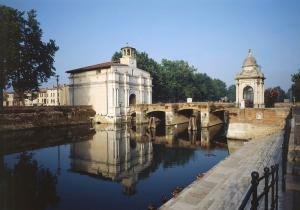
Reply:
x=28, y=185
x=179, y=136
x=22, y=140
x=124, y=153
x=110, y=167
x=113, y=155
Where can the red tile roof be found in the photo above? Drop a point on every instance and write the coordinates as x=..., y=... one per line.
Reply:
x=96, y=66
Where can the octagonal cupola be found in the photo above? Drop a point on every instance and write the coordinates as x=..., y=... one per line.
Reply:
x=128, y=56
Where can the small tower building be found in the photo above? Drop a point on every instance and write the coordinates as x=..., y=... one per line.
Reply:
x=250, y=84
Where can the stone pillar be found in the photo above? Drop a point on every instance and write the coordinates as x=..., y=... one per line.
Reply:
x=255, y=96
x=141, y=117
x=169, y=134
x=262, y=94
x=205, y=137
x=204, y=118
x=169, y=118
x=237, y=89
x=149, y=96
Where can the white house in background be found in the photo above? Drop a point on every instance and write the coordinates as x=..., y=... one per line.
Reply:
x=111, y=87
x=8, y=99
x=45, y=97
x=250, y=84
x=50, y=96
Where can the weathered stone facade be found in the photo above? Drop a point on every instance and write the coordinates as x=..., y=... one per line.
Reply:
x=254, y=123
x=250, y=84
x=111, y=87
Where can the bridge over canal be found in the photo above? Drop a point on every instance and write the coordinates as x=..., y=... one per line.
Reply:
x=204, y=114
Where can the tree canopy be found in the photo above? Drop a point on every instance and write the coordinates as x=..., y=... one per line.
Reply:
x=174, y=81
x=231, y=93
x=273, y=95
x=25, y=60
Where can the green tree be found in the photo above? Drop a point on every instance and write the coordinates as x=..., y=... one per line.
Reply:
x=296, y=85
x=174, y=81
x=280, y=94
x=219, y=88
x=270, y=97
x=179, y=77
x=231, y=93
x=289, y=94
x=116, y=56
x=25, y=60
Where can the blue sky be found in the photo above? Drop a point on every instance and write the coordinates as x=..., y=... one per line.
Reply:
x=214, y=36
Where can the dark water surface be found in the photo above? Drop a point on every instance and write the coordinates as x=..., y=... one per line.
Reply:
x=109, y=167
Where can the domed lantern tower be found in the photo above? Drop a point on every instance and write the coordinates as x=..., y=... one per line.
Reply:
x=250, y=84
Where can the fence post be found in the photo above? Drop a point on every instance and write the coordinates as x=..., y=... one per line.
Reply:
x=254, y=182
x=273, y=184
x=266, y=190
x=276, y=180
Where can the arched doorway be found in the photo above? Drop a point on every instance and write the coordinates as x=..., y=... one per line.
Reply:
x=248, y=96
x=132, y=99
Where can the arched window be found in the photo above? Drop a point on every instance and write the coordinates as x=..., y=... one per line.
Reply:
x=248, y=96
x=132, y=99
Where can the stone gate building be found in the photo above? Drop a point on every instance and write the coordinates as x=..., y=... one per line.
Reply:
x=111, y=87
x=250, y=84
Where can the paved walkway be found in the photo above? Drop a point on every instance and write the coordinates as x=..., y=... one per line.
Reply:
x=224, y=186
x=291, y=198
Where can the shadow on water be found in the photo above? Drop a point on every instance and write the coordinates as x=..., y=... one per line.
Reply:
x=135, y=158
x=18, y=141
x=28, y=185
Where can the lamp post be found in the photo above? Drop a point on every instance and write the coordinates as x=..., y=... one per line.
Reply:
x=57, y=89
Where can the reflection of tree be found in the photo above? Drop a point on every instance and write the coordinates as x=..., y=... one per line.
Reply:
x=29, y=186
x=168, y=157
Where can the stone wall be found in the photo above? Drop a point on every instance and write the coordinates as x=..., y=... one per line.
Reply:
x=17, y=118
x=254, y=123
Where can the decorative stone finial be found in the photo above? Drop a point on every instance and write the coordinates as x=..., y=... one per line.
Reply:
x=249, y=53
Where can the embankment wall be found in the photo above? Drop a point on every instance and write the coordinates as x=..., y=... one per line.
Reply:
x=18, y=118
x=255, y=123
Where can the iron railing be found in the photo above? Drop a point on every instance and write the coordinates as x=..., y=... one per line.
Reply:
x=270, y=179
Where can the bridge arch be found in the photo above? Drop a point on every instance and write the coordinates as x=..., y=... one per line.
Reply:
x=160, y=115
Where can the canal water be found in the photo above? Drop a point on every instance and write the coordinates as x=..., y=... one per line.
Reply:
x=107, y=167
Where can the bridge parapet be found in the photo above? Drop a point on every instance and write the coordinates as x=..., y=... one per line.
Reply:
x=176, y=113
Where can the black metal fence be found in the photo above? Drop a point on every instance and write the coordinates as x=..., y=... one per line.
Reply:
x=270, y=190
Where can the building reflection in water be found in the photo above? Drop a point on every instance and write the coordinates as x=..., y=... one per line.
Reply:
x=121, y=153
x=112, y=154
x=179, y=136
